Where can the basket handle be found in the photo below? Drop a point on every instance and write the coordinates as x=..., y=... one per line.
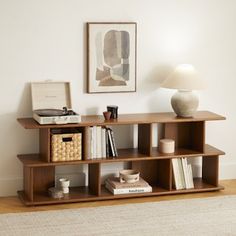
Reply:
x=67, y=137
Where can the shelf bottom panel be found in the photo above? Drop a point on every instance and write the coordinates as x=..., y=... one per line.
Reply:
x=83, y=194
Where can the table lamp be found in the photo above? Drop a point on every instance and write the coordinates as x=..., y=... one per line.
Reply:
x=185, y=79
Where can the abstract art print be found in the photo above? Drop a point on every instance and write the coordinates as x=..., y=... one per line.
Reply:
x=111, y=57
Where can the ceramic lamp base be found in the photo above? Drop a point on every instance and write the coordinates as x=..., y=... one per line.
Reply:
x=184, y=103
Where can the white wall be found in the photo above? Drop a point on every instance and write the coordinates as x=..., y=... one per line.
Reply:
x=45, y=39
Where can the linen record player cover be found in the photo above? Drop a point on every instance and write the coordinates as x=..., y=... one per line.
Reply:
x=51, y=103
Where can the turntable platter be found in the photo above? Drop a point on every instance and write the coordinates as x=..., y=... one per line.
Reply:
x=50, y=112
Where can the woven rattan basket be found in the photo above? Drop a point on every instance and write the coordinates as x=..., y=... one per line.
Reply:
x=66, y=147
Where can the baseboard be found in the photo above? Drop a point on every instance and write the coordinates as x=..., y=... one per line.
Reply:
x=10, y=185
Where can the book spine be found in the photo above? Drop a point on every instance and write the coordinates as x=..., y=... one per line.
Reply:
x=133, y=185
x=128, y=190
x=110, y=143
x=91, y=142
x=177, y=181
x=185, y=169
x=107, y=144
x=181, y=173
x=103, y=143
x=94, y=142
x=98, y=142
x=113, y=143
x=190, y=175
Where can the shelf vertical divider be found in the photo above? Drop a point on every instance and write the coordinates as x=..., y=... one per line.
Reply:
x=164, y=173
x=145, y=139
x=44, y=144
x=86, y=144
x=28, y=182
x=43, y=178
x=94, y=176
x=198, y=136
x=210, y=169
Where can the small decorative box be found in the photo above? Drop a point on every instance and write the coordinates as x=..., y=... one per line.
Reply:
x=167, y=145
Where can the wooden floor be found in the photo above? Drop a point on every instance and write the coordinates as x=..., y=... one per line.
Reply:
x=13, y=204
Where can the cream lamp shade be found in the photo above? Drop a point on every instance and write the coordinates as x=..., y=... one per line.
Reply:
x=185, y=79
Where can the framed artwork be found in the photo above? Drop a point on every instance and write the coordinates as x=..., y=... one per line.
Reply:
x=111, y=57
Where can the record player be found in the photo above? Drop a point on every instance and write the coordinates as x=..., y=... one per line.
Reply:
x=51, y=102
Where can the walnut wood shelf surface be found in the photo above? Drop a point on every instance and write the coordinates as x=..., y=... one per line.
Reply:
x=125, y=119
x=132, y=154
x=81, y=194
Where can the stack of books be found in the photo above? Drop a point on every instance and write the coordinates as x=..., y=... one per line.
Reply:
x=100, y=143
x=115, y=187
x=183, y=174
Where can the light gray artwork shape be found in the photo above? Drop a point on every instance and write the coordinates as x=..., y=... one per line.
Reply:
x=115, y=54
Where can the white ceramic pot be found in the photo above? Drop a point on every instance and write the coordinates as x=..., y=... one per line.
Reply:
x=65, y=183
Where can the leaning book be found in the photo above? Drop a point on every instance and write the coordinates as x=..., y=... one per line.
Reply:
x=115, y=187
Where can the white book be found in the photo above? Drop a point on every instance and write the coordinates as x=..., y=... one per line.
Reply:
x=104, y=154
x=94, y=137
x=190, y=175
x=185, y=169
x=176, y=173
x=99, y=142
x=91, y=142
x=181, y=173
x=147, y=189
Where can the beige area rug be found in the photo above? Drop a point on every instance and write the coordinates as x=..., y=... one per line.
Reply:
x=205, y=216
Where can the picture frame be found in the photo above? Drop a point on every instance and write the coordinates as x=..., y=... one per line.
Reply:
x=111, y=57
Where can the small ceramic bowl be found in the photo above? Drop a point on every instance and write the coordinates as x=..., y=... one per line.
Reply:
x=129, y=176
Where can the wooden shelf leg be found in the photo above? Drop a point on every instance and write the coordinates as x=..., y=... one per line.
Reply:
x=28, y=182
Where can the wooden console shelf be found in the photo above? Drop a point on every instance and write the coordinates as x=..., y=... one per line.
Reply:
x=154, y=167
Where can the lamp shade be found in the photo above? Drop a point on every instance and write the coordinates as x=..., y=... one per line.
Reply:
x=184, y=77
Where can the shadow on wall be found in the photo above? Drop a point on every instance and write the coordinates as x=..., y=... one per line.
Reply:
x=155, y=78
x=25, y=103
x=85, y=52
x=15, y=139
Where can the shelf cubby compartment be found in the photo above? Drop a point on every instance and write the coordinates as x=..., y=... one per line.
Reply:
x=154, y=167
x=45, y=139
x=156, y=172
x=188, y=135
x=37, y=181
x=209, y=179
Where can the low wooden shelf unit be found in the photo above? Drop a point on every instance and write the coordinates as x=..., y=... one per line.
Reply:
x=154, y=167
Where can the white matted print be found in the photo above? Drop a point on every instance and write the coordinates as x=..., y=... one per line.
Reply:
x=111, y=57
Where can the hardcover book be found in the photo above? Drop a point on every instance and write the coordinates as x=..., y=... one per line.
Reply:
x=116, y=184
x=147, y=189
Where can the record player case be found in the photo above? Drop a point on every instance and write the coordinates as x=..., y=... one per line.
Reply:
x=52, y=95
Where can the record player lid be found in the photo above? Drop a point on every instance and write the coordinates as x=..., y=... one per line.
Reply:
x=50, y=95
